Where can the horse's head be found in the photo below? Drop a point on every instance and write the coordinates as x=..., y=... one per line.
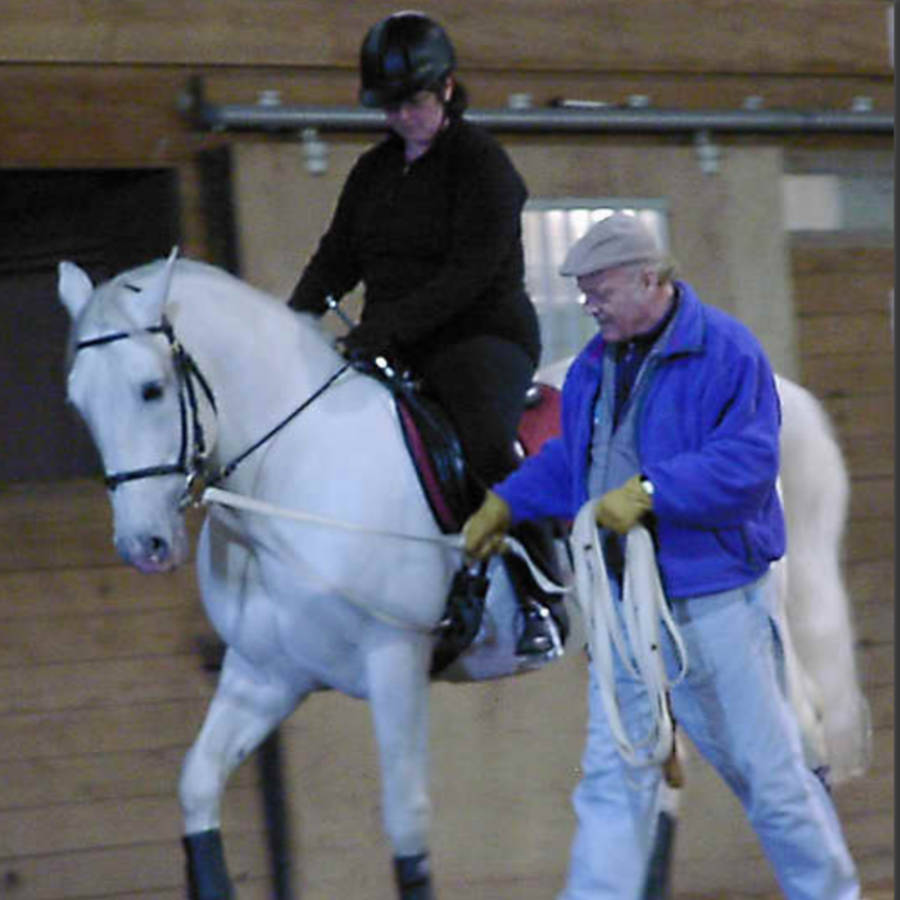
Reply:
x=124, y=381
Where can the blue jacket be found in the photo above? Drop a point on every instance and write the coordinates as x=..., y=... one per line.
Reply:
x=707, y=438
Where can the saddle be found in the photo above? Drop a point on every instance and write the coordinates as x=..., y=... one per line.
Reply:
x=438, y=456
x=440, y=463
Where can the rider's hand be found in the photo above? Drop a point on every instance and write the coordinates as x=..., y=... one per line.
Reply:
x=367, y=341
x=620, y=510
x=486, y=528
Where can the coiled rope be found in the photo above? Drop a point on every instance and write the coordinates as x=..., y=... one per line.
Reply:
x=638, y=645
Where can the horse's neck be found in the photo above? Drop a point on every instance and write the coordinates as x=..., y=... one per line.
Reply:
x=260, y=359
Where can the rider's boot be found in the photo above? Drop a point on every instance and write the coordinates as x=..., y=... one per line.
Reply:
x=545, y=621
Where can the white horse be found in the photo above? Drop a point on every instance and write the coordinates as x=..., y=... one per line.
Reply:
x=348, y=599
x=174, y=362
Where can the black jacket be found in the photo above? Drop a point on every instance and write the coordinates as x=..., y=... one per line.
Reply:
x=437, y=244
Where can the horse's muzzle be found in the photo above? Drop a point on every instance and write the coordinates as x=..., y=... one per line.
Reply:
x=150, y=554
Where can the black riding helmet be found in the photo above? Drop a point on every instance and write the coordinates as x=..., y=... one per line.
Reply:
x=405, y=53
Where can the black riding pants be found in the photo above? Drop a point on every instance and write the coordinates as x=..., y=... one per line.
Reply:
x=481, y=383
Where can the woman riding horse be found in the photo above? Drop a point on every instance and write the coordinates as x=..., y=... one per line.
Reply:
x=429, y=221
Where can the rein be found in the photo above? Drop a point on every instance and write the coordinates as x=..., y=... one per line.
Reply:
x=192, y=463
x=201, y=485
x=224, y=471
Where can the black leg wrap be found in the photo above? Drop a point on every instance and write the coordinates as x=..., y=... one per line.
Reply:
x=207, y=876
x=659, y=868
x=413, y=877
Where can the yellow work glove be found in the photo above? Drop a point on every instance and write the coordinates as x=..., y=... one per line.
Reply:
x=486, y=528
x=621, y=509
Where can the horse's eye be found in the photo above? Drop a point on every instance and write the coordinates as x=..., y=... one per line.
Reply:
x=152, y=390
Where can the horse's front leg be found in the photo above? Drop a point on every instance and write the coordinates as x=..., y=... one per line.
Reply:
x=244, y=711
x=397, y=666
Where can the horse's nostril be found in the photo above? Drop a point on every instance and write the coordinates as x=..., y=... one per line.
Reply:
x=158, y=547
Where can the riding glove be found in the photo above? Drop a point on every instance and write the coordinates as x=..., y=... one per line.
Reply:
x=620, y=510
x=367, y=341
x=486, y=528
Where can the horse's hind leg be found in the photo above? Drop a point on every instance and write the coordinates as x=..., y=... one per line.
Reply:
x=243, y=712
x=397, y=668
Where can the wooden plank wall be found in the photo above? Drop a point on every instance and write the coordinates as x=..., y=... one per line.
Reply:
x=102, y=688
x=102, y=683
x=842, y=289
x=97, y=83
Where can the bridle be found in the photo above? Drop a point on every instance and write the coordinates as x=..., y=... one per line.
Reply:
x=193, y=451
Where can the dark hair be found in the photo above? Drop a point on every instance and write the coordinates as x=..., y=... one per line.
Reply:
x=458, y=102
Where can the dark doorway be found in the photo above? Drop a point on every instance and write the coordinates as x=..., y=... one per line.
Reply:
x=103, y=220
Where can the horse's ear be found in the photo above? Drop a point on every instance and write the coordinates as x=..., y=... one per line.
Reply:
x=153, y=298
x=74, y=287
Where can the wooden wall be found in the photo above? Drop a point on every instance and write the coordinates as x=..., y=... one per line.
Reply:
x=97, y=83
x=101, y=689
x=842, y=289
x=102, y=679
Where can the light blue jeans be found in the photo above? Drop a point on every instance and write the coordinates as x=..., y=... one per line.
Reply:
x=732, y=706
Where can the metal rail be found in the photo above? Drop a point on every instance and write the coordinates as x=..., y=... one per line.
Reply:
x=568, y=117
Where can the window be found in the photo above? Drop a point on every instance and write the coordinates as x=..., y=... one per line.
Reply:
x=549, y=228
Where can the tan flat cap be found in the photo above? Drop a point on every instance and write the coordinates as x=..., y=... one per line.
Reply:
x=617, y=240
